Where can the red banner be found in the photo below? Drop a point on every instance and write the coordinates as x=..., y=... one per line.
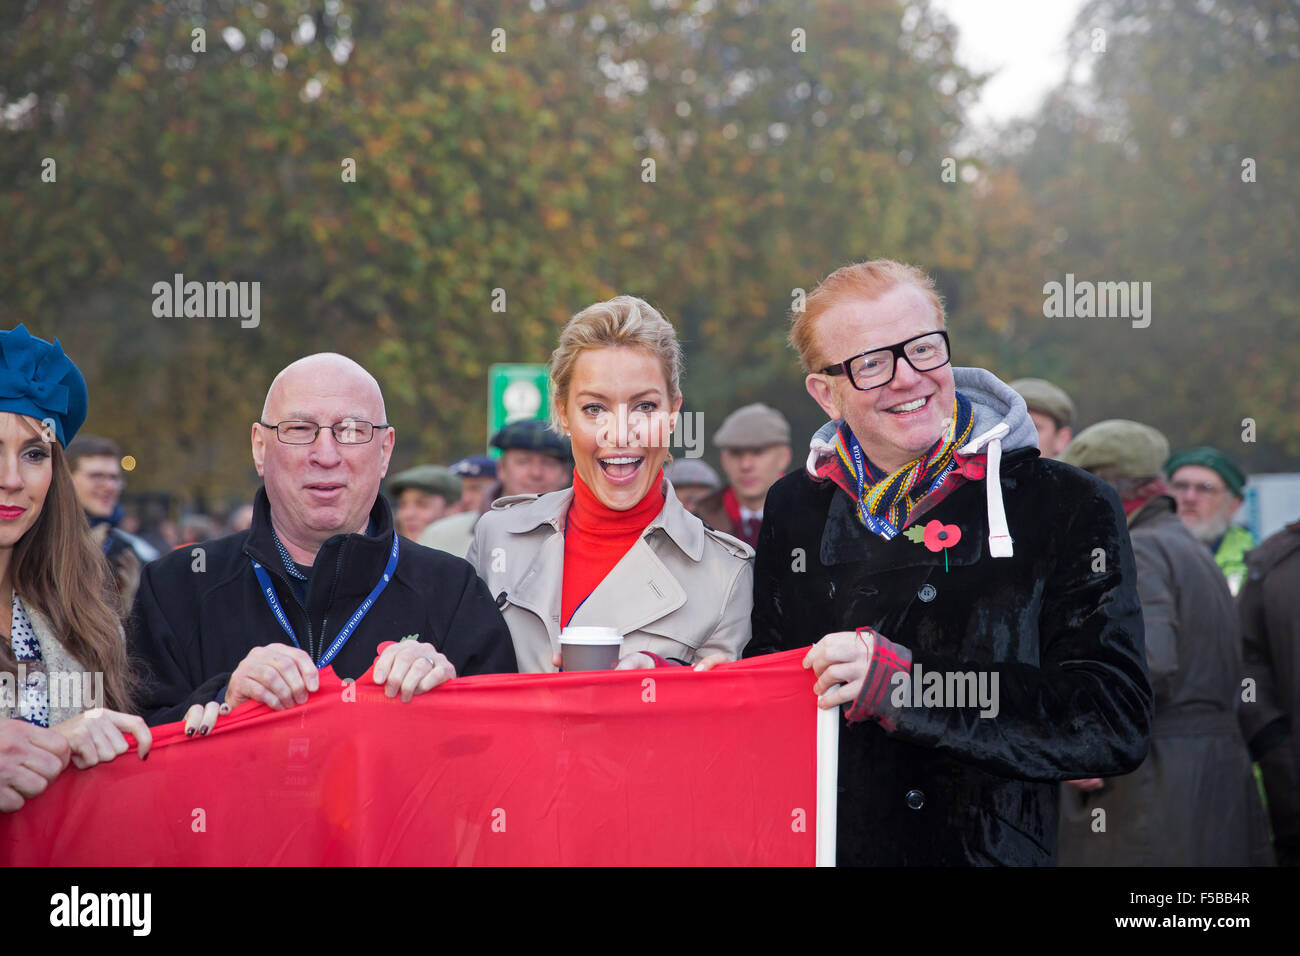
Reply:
x=646, y=767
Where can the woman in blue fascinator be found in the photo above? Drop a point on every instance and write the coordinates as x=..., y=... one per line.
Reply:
x=65, y=684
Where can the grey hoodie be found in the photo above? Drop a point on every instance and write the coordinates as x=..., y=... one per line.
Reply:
x=999, y=420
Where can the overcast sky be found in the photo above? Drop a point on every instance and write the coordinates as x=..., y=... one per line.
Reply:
x=1023, y=39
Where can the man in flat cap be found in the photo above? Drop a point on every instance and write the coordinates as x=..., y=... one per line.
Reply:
x=1208, y=487
x=477, y=473
x=755, y=444
x=534, y=461
x=423, y=494
x=693, y=481
x=1052, y=412
x=1193, y=801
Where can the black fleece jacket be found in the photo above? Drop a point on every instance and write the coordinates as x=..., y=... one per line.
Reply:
x=199, y=610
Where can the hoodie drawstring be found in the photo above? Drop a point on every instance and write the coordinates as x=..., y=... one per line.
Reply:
x=1000, y=543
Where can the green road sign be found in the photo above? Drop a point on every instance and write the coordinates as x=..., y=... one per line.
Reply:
x=516, y=391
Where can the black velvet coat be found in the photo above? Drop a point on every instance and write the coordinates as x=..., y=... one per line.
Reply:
x=1059, y=623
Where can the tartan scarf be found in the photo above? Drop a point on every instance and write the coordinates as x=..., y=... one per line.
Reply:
x=884, y=502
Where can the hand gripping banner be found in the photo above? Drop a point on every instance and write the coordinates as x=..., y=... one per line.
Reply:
x=647, y=767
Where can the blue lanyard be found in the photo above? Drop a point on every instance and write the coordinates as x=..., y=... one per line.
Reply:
x=859, y=466
x=268, y=592
x=874, y=523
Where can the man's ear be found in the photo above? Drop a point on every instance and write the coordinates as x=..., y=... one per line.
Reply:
x=390, y=440
x=819, y=387
x=259, y=449
x=785, y=457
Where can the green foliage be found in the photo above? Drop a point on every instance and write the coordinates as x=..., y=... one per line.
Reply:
x=524, y=170
x=1138, y=173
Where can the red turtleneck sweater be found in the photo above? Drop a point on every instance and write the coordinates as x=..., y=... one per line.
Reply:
x=596, y=537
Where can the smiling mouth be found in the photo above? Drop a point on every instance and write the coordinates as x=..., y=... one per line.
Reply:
x=907, y=408
x=621, y=467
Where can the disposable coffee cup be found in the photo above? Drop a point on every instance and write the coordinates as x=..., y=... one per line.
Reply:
x=590, y=648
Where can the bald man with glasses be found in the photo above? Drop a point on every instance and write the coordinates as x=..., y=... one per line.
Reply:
x=320, y=579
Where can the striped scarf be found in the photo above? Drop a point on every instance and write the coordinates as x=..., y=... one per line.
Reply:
x=884, y=502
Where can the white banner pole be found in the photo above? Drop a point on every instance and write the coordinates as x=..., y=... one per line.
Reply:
x=828, y=761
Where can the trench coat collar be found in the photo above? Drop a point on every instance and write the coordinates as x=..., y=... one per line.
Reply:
x=684, y=529
x=637, y=591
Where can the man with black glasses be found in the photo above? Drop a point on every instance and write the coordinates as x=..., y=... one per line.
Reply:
x=973, y=604
x=319, y=579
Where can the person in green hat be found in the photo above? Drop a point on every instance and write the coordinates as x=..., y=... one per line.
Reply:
x=422, y=495
x=1208, y=488
x=1193, y=801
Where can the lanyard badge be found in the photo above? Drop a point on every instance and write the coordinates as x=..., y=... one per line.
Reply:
x=273, y=601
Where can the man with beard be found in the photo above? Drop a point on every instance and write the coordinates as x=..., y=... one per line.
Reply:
x=1207, y=486
x=1193, y=801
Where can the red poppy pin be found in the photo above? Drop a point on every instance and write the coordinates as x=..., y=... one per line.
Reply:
x=937, y=536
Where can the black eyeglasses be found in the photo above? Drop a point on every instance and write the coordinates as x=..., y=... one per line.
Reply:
x=868, y=370
x=350, y=431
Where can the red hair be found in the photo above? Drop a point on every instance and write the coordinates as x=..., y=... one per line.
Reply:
x=862, y=281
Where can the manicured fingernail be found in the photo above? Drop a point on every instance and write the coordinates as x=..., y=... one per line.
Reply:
x=203, y=730
x=189, y=731
x=225, y=709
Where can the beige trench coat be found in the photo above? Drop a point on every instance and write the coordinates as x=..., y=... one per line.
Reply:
x=682, y=590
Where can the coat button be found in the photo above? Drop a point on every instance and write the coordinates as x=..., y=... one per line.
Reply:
x=927, y=593
x=501, y=599
x=915, y=799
